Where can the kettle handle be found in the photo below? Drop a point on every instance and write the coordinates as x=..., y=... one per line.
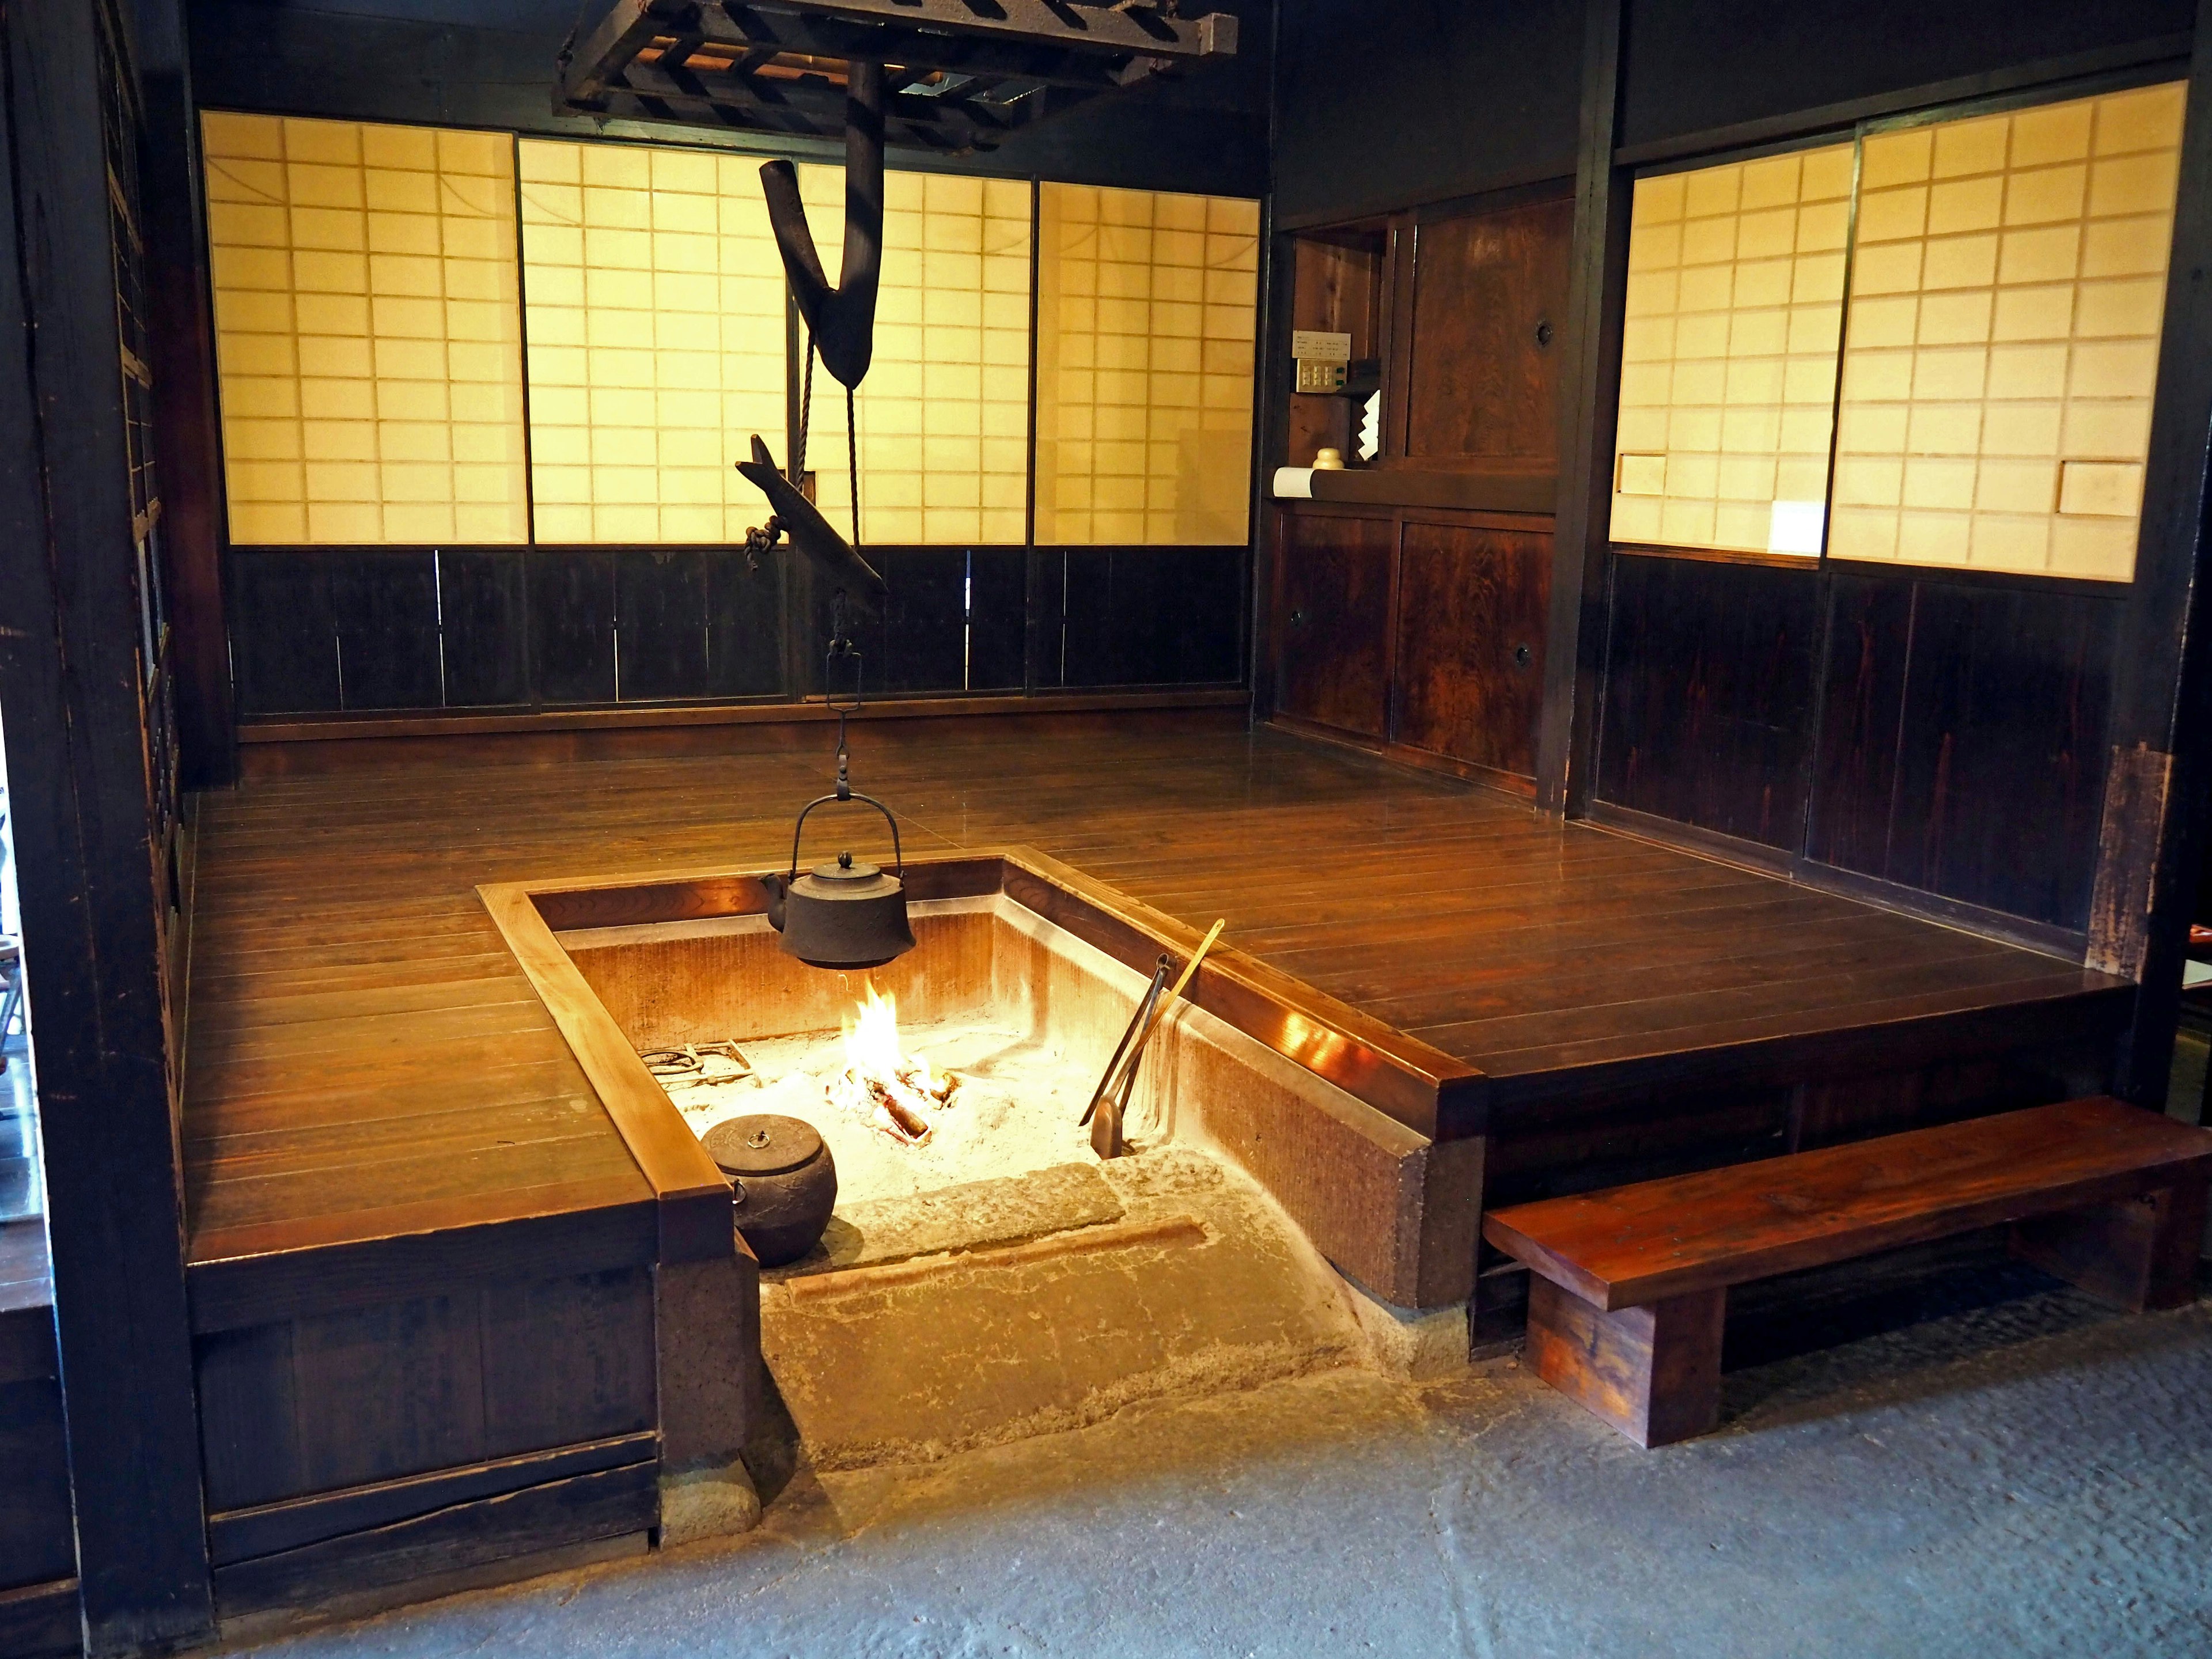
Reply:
x=898, y=858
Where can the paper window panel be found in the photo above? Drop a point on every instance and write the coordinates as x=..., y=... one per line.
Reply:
x=655, y=316
x=2008, y=287
x=1147, y=309
x=943, y=409
x=1735, y=317
x=368, y=332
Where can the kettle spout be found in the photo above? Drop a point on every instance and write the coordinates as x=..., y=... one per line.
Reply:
x=776, y=888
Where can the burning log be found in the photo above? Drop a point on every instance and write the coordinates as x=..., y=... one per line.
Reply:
x=892, y=1090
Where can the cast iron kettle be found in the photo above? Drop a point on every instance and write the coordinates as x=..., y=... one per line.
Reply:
x=846, y=915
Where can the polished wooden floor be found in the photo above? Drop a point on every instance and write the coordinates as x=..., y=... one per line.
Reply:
x=365, y=1060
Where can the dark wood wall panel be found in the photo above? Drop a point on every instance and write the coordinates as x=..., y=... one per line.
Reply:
x=1154, y=616
x=283, y=634
x=1706, y=711
x=322, y=629
x=1962, y=741
x=694, y=623
x=572, y=624
x=998, y=617
x=923, y=634
x=1472, y=605
x=1715, y=63
x=1490, y=298
x=483, y=606
x=385, y=606
x=1378, y=108
x=1333, y=635
x=664, y=618
x=345, y=1399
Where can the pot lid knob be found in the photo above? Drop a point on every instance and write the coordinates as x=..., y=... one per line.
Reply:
x=847, y=869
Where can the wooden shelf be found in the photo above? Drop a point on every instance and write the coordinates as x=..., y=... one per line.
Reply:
x=1480, y=492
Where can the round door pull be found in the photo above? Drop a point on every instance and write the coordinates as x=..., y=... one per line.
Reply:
x=1523, y=656
x=1544, y=333
x=1297, y=619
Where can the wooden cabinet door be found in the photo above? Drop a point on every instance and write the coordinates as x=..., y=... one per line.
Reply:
x=1472, y=607
x=1333, y=624
x=1490, y=304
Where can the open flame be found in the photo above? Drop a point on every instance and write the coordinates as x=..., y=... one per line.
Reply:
x=891, y=1089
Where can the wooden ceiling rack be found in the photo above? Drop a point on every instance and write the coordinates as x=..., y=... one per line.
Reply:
x=962, y=74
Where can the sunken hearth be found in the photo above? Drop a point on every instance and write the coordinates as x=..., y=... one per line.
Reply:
x=985, y=1273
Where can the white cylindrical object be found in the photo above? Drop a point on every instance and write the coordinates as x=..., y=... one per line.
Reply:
x=1293, y=483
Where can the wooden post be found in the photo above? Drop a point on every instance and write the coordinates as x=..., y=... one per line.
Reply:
x=2160, y=767
x=1590, y=382
x=1652, y=1372
x=188, y=458
x=83, y=810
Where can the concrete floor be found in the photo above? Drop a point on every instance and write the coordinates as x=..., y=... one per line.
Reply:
x=2028, y=1476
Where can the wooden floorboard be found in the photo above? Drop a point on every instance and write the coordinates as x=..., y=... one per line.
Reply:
x=363, y=1054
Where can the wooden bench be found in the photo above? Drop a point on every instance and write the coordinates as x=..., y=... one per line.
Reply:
x=1629, y=1286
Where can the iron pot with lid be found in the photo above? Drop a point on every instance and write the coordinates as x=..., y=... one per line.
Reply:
x=848, y=914
x=786, y=1181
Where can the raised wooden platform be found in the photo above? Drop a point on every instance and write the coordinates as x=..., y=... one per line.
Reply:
x=402, y=1190
x=366, y=1059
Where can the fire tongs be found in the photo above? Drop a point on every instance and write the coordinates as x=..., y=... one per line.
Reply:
x=1106, y=1131
x=1132, y=1046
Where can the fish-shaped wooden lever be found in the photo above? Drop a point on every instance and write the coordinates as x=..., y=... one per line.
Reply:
x=809, y=532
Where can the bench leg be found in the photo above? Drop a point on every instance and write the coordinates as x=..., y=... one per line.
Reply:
x=2139, y=1252
x=1654, y=1373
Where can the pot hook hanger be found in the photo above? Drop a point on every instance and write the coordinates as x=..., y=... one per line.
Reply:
x=841, y=320
x=840, y=325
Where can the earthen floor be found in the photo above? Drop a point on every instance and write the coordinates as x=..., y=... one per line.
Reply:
x=2027, y=1475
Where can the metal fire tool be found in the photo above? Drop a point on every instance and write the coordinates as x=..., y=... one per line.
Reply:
x=1136, y=1024
x=1106, y=1129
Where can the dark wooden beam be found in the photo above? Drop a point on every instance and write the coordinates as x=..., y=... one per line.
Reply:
x=2162, y=50
x=1590, y=382
x=187, y=452
x=83, y=822
x=2160, y=769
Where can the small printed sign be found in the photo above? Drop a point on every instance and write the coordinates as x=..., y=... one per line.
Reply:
x=1313, y=346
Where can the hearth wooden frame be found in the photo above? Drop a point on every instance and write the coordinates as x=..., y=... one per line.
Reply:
x=1403, y=1116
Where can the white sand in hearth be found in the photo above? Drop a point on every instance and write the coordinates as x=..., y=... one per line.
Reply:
x=1014, y=1111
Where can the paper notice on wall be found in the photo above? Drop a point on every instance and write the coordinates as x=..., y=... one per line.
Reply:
x=1795, y=527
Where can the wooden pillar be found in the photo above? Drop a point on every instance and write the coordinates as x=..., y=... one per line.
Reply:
x=187, y=454
x=1590, y=382
x=83, y=798
x=2160, y=767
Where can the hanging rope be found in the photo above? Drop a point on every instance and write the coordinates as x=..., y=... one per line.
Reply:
x=853, y=462
x=806, y=415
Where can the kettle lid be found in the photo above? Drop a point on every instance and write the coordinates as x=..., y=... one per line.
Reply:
x=848, y=878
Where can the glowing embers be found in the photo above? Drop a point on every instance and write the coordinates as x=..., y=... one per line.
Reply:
x=881, y=1084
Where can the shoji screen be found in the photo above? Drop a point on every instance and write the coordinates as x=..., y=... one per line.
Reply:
x=655, y=303
x=1727, y=380
x=2007, y=289
x=1146, y=313
x=368, y=332
x=944, y=411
